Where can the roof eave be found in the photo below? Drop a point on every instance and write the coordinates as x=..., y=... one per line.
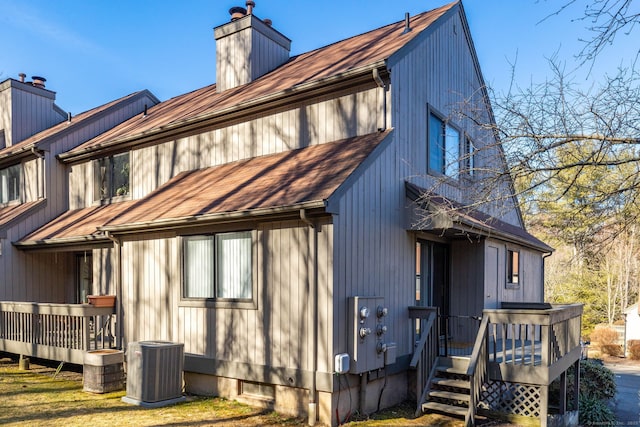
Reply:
x=200, y=220
x=50, y=244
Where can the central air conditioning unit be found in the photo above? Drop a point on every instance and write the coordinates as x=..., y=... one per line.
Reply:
x=154, y=373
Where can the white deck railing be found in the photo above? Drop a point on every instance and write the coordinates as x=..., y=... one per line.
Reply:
x=61, y=332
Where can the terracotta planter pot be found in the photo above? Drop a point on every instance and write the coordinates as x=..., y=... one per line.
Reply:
x=102, y=300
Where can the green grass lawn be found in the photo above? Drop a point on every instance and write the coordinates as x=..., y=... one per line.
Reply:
x=36, y=398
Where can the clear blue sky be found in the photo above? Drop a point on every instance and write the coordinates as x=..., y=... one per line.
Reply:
x=93, y=51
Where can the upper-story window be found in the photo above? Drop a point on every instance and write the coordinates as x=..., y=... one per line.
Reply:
x=443, y=146
x=10, y=184
x=111, y=177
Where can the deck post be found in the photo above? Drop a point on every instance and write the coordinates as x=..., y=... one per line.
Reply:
x=546, y=344
x=563, y=393
x=544, y=405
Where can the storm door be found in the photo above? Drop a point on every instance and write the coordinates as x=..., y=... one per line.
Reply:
x=84, y=277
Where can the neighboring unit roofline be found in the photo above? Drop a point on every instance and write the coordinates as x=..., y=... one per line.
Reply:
x=41, y=91
x=284, y=97
x=25, y=151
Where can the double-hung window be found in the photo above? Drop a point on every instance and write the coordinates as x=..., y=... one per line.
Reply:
x=443, y=146
x=111, y=177
x=10, y=184
x=219, y=267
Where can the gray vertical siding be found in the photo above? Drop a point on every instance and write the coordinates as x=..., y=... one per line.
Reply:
x=245, y=50
x=301, y=125
x=278, y=333
x=438, y=69
x=50, y=277
x=374, y=255
x=531, y=276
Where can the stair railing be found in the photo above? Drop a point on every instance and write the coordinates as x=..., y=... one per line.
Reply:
x=477, y=370
x=426, y=350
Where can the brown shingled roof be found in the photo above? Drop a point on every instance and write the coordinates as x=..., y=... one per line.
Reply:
x=9, y=213
x=474, y=219
x=77, y=224
x=330, y=61
x=288, y=180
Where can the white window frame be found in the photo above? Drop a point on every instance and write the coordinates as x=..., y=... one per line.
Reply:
x=5, y=185
x=447, y=162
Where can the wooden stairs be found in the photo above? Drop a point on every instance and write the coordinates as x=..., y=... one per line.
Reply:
x=449, y=388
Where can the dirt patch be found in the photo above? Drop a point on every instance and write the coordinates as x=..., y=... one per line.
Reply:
x=619, y=361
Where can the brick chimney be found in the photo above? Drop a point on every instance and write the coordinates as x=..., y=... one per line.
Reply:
x=247, y=48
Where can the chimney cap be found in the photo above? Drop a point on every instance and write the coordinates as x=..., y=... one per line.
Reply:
x=38, y=81
x=237, y=12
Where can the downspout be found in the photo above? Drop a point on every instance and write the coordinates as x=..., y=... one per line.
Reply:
x=383, y=86
x=313, y=392
x=117, y=244
x=544, y=257
x=40, y=156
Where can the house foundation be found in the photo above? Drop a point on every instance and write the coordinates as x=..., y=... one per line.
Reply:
x=332, y=408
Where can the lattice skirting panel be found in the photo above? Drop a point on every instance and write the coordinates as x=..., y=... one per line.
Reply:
x=511, y=398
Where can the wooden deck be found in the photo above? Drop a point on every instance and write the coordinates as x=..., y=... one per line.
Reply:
x=62, y=332
x=517, y=354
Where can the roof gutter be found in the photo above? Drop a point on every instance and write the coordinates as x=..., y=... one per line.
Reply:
x=46, y=244
x=487, y=232
x=200, y=220
x=284, y=97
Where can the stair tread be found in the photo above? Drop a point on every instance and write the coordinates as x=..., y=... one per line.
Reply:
x=452, y=383
x=442, y=394
x=442, y=407
x=451, y=370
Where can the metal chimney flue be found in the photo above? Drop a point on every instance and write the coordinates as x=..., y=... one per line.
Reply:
x=22, y=77
x=250, y=6
x=407, y=23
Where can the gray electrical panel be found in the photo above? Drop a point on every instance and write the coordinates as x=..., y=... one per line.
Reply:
x=367, y=333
